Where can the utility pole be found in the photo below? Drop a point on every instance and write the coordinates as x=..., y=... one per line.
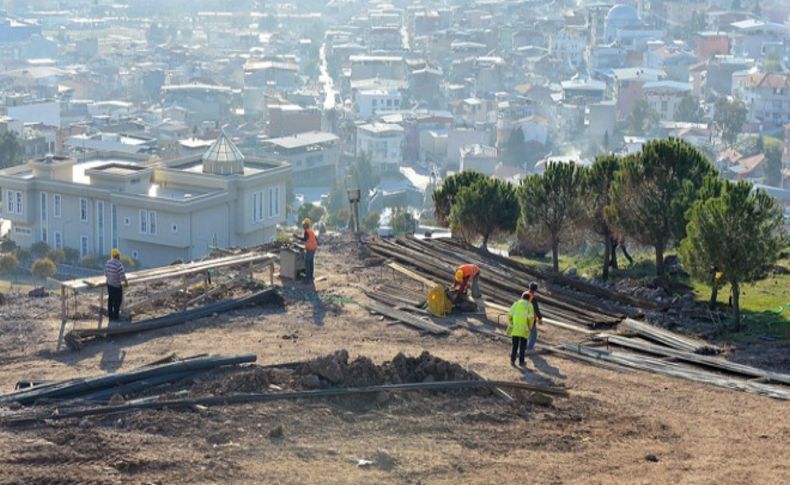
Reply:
x=354, y=196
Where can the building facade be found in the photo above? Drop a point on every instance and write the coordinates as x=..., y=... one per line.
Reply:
x=155, y=212
x=383, y=143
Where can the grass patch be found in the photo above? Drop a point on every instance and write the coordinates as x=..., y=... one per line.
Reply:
x=765, y=304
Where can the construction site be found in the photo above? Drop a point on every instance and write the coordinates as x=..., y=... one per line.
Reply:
x=230, y=370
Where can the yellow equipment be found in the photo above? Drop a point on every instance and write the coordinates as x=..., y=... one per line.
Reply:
x=438, y=302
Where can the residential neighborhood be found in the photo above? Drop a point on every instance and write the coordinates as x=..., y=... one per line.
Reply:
x=417, y=88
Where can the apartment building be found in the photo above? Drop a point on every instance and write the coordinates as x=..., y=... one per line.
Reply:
x=313, y=156
x=154, y=211
x=383, y=143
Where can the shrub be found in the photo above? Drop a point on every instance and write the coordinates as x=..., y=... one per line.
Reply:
x=39, y=249
x=57, y=256
x=8, y=264
x=72, y=256
x=43, y=268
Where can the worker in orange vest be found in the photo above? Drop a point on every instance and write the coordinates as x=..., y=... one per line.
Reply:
x=467, y=275
x=311, y=245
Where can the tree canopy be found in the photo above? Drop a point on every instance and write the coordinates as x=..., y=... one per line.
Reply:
x=642, y=118
x=402, y=221
x=552, y=200
x=653, y=190
x=444, y=197
x=596, y=186
x=484, y=209
x=739, y=233
x=729, y=118
x=689, y=110
x=11, y=151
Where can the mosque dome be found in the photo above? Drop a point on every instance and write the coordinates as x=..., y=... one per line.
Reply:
x=223, y=157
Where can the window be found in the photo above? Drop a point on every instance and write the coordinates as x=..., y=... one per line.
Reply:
x=19, y=203
x=174, y=228
x=100, y=226
x=143, y=222
x=44, y=234
x=57, y=201
x=148, y=222
x=136, y=254
x=11, y=202
x=113, y=225
x=23, y=231
x=43, y=208
x=83, y=210
x=83, y=246
x=127, y=221
x=274, y=202
x=58, y=240
x=257, y=207
x=152, y=223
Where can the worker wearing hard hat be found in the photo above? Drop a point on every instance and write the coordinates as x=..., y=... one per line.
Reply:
x=466, y=276
x=522, y=324
x=310, y=241
x=115, y=277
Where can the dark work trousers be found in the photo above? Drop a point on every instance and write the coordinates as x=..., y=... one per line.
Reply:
x=309, y=265
x=520, y=345
x=114, y=300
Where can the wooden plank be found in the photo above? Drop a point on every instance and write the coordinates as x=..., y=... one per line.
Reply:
x=668, y=338
x=406, y=318
x=269, y=397
x=704, y=360
x=77, y=338
x=411, y=274
x=167, y=272
x=683, y=371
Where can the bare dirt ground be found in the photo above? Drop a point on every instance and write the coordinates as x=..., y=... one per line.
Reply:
x=614, y=428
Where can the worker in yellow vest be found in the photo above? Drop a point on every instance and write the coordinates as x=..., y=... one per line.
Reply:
x=521, y=318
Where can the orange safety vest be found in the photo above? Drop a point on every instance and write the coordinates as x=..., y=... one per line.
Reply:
x=312, y=242
x=469, y=270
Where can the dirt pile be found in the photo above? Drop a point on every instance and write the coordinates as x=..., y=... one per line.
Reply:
x=333, y=370
x=336, y=370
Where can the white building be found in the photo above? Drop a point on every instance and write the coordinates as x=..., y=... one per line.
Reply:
x=767, y=97
x=372, y=101
x=382, y=142
x=663, y=97
x=481, y=158
x=156, y=212
x=569, y=44
x=314, y=156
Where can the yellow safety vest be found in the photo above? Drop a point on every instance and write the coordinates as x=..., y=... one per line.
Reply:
x=522, y=318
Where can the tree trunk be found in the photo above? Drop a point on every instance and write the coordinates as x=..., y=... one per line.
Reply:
x=660, y=261
x=606, y=258
x=714, y=295
x=484, y=248
x=736, y=304
x=625, y=253
x=613, y=253
x=555, y=254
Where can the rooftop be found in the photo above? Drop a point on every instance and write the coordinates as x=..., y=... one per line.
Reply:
x=381, y=128
x=303, y=139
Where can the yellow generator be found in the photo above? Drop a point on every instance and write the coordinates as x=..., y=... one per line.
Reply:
x=439, y=303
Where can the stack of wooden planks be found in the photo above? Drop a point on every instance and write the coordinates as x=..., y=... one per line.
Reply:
x=575, y=305
x=103, y=388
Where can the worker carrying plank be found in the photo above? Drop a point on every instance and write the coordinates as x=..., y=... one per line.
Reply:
x=310, y=241
x=523, y=317
x=466, y=276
